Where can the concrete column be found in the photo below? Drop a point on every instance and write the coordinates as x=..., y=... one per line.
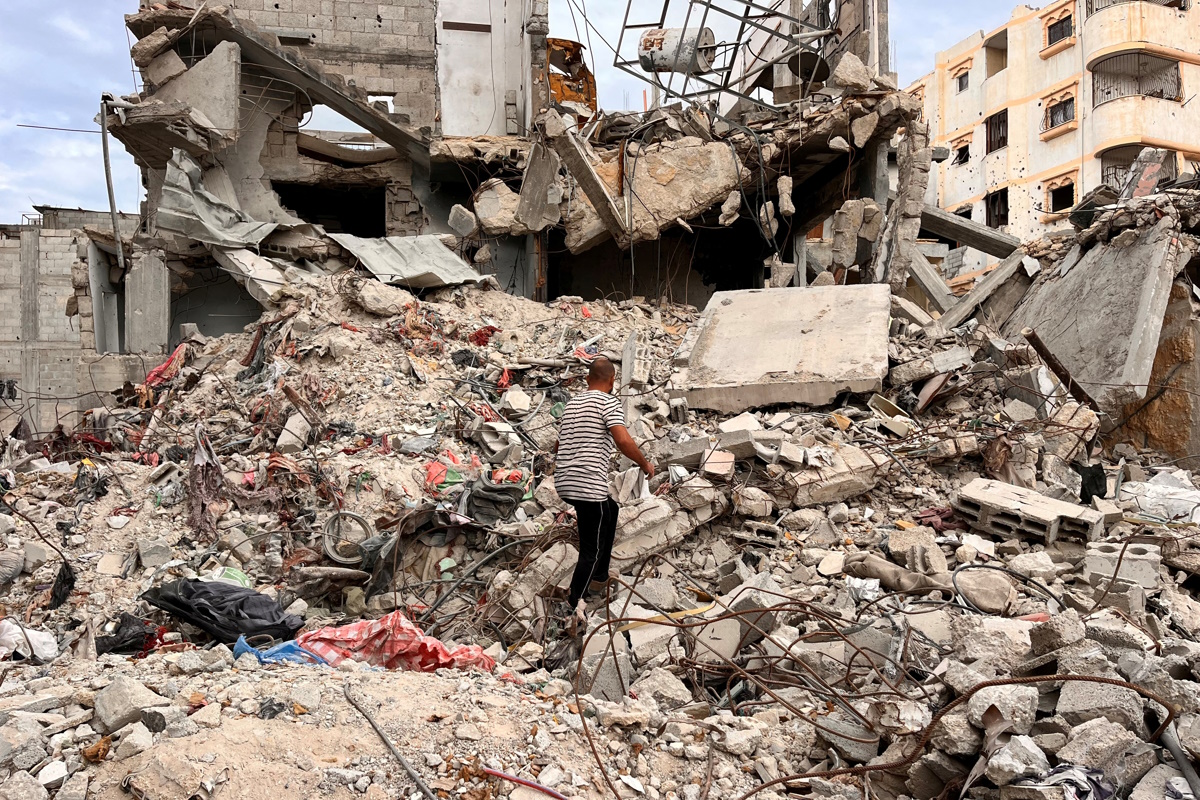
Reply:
x=30, y=256
x=800, y=256
x=148, y=304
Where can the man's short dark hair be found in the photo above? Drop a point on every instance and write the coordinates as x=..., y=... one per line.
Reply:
x=602, y=370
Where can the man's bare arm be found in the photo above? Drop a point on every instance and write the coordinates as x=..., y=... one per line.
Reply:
x=627, y=446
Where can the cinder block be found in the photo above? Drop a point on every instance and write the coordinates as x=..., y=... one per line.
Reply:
x=1008, y=511
x=1140, y=563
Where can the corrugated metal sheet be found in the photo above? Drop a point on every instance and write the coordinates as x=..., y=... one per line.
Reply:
x=417, y=262
x=189, y=209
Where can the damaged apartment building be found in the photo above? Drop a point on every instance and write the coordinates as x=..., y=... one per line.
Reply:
x=476, y=149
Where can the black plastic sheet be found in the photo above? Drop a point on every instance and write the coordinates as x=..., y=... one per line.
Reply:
x=224, y=611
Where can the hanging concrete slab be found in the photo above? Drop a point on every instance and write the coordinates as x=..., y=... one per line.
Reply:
x=1103, y=318
x=220, y=24
x=802, y=346
x=416, y=262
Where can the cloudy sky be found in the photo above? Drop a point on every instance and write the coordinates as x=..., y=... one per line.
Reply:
x=56, y=58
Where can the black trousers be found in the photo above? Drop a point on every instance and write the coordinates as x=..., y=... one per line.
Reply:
x=597, y=530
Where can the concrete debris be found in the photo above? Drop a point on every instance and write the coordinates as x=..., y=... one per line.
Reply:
x=851, y=74
x=874, y=505
x=1019, y=758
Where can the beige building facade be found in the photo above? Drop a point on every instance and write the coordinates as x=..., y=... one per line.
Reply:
x=1044, y=109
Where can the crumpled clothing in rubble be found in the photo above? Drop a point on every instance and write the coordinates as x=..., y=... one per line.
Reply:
x=392, y=642
x=1078, y=783
x=490, y=503
x=133, y=635
x=897, y=579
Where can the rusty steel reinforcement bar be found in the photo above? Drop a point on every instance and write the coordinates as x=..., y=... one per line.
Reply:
x=412, y=773
x=1060, y=371
x=764, y=682
x=929, y=729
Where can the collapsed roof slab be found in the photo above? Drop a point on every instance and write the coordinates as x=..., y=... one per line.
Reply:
x=262, y=48
x=153, y=131
x=804, y=346
x=1102, y=319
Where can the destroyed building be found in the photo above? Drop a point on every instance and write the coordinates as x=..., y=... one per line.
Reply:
x=1058, y=100
x=900, y=543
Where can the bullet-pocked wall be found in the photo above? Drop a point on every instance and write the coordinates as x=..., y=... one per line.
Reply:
x=1055, y=102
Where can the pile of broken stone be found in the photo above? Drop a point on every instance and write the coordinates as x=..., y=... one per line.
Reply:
x=952, y=585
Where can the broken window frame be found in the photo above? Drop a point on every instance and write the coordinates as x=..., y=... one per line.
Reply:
x=1054, y=198
x=996, y=204
x=962, y=155
x=1136, y=74
x=1059, y=114
x=1060, y=30
x=997, y=131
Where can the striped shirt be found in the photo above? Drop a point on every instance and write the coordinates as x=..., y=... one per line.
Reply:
x=585, y=446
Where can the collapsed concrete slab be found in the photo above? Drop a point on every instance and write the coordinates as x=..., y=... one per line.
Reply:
x=1102, y=319
x=802, y=346
x=666, y=182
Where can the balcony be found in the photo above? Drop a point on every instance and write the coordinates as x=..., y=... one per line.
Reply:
x=1115, y=165
x=1136, y=75
x=1135, y=25
x=1059, y=119
x=1094, y=6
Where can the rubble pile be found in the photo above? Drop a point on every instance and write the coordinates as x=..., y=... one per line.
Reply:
x=897, y=544
x=942, y=581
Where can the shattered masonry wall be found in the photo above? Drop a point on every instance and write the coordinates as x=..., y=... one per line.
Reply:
x=387, y=48
x=39, y=344
x=69, y=219
x=855, y=19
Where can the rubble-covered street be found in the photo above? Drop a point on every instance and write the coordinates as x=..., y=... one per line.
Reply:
x=900, y=543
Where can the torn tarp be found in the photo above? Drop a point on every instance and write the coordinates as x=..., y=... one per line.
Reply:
x=187, y=208
x=418, y=262
x=392, y=642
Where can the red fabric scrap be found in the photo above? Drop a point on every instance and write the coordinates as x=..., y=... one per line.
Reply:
x=349, y=327
x=392, y=642
x=583, y=355
x=168, y=369
x=484, y=335
x=505, y=381
x=435, y=474
x=508, y=476
x=940, y=519
x=587, y=312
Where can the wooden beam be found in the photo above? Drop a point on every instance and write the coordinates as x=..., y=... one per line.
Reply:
x=972, y=234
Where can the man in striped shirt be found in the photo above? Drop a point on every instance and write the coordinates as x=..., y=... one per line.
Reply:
x=592, y=424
